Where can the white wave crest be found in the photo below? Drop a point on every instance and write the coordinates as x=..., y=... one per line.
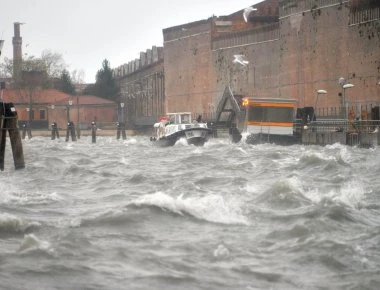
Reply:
x=351, y=194
x=212, y=208
x=130, y=141
x=109, y=216
x=11, y=224
x=30, y=198
x=221, y=251
x=31, y=243
x=181, y=142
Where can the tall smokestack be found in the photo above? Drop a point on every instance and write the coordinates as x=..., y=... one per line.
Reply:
x=1, y=45
x=17, y=52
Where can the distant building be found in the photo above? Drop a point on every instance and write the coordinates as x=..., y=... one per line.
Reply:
x=293, y=47
x=43, y=106
x=142, y=89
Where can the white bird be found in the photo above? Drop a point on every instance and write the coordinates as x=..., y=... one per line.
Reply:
x=239, y=58
x=247, y=11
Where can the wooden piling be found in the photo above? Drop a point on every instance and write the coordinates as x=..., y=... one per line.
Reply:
x=8, y=117
x=121, y=131
x=93, y=132
x=26, y=131
x=54, y=131
x=3, y=135
x=70, y=131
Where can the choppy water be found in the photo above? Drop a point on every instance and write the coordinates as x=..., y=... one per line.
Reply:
x=126, y=215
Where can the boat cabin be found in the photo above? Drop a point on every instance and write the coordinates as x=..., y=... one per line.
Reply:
x=179, y=118
x=269, y=116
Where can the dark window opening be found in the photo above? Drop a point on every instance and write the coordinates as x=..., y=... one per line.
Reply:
x=270, y=114
x=42, y=114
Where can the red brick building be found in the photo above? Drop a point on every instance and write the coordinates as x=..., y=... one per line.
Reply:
x=294, y=48
x=44, y=106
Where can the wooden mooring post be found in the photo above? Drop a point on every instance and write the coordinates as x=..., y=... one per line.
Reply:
x=121, y=130
x=26, y=130
x=70, y=132
x=8, y=123
x=93, y=131
x=54, y=131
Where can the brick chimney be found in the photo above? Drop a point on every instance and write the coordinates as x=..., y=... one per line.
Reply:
x=17, y=52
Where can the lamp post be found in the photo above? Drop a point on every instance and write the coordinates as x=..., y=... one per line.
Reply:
x=29, y=117
x=319, y=92
x=121, y=125
x=68, y=111
x=122, y=112
x=78, y=127
x=26, y=127
x=52, y=107
x=345, y=103
x=28, y=109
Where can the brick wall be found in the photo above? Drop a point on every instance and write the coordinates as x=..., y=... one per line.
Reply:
x=189, y=75
x=311, y=45
x=318, y=46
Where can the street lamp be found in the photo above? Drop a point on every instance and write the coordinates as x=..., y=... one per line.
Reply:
x=78, y=127
x=29, y=115
x=52, y=107
x=122, y=112
x=319, y=92
x=68, y=110
x=345, y=103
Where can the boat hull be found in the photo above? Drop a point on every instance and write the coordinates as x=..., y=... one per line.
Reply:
x=193, y=136
x=261, y=138
x=197, y=136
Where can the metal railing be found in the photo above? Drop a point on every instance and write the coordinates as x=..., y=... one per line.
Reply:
x=336, y=125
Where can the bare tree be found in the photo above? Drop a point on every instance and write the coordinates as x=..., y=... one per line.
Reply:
x=52, y=63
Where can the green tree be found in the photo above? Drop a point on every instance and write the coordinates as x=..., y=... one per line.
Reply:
x=66, y=83
x=105, y=85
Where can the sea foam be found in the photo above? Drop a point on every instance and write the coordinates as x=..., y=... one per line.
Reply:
x=211, y=208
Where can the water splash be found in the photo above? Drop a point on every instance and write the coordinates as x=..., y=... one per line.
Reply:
x=31, y=243
x=212, y=208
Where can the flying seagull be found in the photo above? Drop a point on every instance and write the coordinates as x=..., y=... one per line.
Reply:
x=247, y=11
x=239, y=58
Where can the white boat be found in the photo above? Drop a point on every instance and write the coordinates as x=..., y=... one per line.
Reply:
x=175, y=126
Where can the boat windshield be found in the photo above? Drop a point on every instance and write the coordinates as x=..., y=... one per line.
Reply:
x=270, y=114
x=185, y=118
x=180, y=118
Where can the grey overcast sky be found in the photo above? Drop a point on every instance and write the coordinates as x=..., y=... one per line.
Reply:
x=86, y=32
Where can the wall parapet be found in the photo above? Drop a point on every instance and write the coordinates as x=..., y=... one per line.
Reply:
x=258, y=35
x=147, y=58
x=289, y=7
x=364, y=16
